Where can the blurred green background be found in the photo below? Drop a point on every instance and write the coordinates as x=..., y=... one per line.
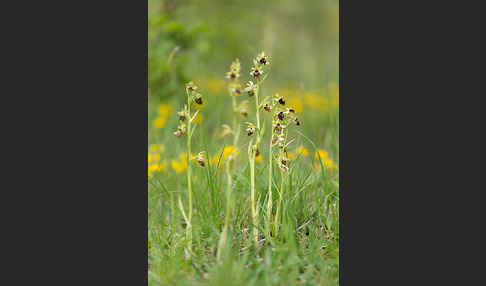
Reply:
x=198, y=40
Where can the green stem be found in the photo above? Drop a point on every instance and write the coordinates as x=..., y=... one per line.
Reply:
x=257, y=105
x=252, y=197
x=222, y=240
x=236, y=129
x=252, y=169
x=270, y=202
x=282, y=174
x=189, y=169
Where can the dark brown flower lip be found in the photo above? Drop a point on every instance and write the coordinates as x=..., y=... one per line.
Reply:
x=281, y=101
x=281, y=115
x=255, y=73
x=198, y=100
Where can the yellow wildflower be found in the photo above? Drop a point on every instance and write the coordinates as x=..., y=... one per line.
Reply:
x=327, y=163
x=198, y=118
x=153, y=167
x=258, y=158
x=302, y=151
x=156, y=157
x=322, y=153
x=178, y=166
x=165, y=110
x=295, y=103
x=154, y=148
x=214, y=85
x=228, y=150
x=160, y=122
x=316, y=101
x=291, y=155
x=214, y=160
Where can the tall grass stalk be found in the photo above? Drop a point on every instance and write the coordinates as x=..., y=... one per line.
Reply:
x=253, y=150
x=189, y=170
x=270, y=201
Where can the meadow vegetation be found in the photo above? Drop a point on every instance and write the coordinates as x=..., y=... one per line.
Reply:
x=243, y=146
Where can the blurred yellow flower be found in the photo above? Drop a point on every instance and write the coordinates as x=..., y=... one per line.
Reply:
x=214, y=85
x=258, y=158
x=181, y=165
x=295, y=103
x=178, y=166
x=333, y=90
x=150, y=158
x=198, y=119
x=214, y=160
x=165, y=110
x=316, y=101
x=156, y=157
x=302, y=151
x=154, y=148
x=160, y=122
x=153, y=167
x=228, y=150
x=327, y=163
x=291, y=155
x=322, y=153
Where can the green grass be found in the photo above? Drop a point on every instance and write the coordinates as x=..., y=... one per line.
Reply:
x=198, y=40
x=306, y=250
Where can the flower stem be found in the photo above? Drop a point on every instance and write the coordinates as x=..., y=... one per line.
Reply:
x=252, y=197
x=189, y=187
x=236, y=129
x=270, y=202
x=252, y=169
x=222, y=240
